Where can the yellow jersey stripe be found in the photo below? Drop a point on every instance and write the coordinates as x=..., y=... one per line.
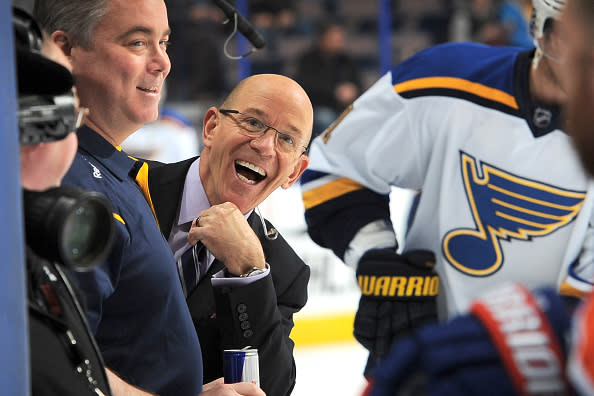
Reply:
x=142, y=181
x=119, y=218
x=336, y=188
x=458, y=84
x=567, y=290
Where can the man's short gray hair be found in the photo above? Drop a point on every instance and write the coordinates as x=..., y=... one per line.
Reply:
x=78, y=18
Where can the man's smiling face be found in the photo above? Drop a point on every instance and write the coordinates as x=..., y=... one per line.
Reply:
x=120, y=77
x=243, y=169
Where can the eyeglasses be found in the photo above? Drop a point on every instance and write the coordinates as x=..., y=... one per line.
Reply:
x=253, y=127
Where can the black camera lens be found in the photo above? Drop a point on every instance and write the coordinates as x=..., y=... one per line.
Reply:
x=71, y=226
x=85, y=232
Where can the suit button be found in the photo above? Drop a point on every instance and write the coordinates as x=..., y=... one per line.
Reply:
x=245, y=325
x=241, y=308
x=243, y=316
x=248, y=333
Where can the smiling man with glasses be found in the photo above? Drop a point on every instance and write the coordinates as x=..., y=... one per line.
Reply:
x=242, y=281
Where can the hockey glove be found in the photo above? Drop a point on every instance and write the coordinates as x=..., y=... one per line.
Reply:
x=511, y=344
x=398, y=293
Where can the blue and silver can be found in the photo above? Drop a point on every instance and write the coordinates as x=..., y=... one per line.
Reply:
x=241, y=365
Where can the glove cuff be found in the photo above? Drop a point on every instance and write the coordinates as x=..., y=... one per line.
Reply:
x=384, y=275
x=528, y=344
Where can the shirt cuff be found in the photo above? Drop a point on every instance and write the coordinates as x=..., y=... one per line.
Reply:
x=219, y=279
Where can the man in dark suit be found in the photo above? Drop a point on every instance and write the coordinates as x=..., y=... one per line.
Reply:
x=244, y=282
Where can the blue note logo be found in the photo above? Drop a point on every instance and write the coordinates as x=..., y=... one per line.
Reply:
x=504, y=206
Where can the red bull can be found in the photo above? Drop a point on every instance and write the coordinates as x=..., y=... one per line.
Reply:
x=241, y=365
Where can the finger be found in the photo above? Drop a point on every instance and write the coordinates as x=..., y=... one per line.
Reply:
x=194, y=235
x=212, y=384
x=248, y=389
x=229, y=206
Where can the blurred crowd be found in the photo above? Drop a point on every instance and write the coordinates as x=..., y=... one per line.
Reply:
x=306, y=35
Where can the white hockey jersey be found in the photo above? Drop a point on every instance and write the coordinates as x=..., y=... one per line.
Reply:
x=503, y=194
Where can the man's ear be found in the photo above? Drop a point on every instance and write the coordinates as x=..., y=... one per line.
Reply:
x=58, y=47
x=300, y=166
x=62, y=41
x=212, y=118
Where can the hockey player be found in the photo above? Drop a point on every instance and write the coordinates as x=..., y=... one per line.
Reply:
x=512, y=341
x=478, y=130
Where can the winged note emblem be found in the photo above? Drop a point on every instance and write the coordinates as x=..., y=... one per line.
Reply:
x=504, y=207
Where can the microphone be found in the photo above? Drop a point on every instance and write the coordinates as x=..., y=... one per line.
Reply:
x=243, y=25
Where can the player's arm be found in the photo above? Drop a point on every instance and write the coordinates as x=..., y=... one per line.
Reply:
x=398, y=292
x=354, y=163
x=378, y=142
x=579, y=278
x=348, y=182
x=338, y=208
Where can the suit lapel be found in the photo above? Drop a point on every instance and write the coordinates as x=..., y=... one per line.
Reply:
x=166, y=185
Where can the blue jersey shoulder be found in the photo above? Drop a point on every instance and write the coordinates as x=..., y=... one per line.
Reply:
x=486, y=65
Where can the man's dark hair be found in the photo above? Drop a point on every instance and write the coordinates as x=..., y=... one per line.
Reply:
x=78, y=18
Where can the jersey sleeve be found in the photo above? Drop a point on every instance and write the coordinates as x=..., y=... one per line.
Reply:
x=580, y=275
x=374, y=141
x=354, y=163
x=577, y=278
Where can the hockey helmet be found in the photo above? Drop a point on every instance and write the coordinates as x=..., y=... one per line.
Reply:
x=542, y=11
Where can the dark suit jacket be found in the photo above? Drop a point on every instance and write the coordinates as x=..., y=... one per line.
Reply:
x=259, y=314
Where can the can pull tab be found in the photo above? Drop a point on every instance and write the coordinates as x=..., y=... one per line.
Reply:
x=247, y=347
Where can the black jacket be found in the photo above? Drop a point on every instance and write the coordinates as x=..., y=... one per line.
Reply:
x=56, y=317
x=259, y=314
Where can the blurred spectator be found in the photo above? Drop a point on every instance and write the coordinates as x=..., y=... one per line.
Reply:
x=196, y=51
x=270, y=15
x=206, y=34
x=494, y=22
x=436, y=20
x=274, y=20
x=177, y=11
x=511, y=15
x=170, y=138
x=330, y=6
x=329, y=74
